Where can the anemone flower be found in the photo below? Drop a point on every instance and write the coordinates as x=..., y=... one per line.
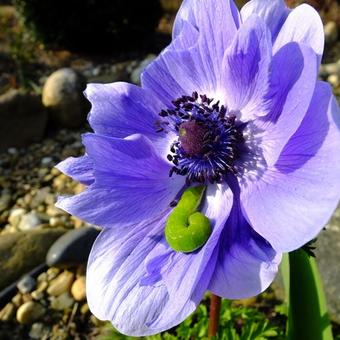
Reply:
x=232, y=104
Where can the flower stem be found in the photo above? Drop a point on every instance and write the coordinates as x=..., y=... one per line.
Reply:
x=214, y=315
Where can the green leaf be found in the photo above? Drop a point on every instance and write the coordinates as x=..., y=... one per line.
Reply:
x=307, y=309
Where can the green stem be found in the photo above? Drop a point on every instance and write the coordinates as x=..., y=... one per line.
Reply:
x=307, y=310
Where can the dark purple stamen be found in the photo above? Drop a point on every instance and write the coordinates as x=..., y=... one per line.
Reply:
x=209, y=138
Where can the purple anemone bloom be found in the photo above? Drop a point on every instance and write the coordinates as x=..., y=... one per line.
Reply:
x=232, y=103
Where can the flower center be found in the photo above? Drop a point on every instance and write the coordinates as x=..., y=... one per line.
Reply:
x=209, y=139
x=193, y=138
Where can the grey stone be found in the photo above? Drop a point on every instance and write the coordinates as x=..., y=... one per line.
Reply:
x=26, y=284
x=22, y=251
x=73, y=248
x=23, y=119
x=29, y=221
x=63, y=96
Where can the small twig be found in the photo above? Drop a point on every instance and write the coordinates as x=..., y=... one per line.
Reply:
x=214, y=315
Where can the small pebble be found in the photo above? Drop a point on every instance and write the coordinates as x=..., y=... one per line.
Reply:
x=61, y=284
x=37, y=295
x=62, y=301
x=78, y=289
x=29, y=221
x=46, y=161
x=17, y=300
x=26, y=284
x=7, y=313
x=29, y=312
x=334, y=79
x=15, y=216
x=331, y=32
x=52, y=273
x=42, y=277
x=84, y=309
x=39, y=331
x=42, y=286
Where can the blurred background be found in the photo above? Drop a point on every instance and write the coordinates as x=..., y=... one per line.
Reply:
x=49, y=50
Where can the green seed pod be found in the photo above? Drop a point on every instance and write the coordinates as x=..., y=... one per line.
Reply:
x=187, y=229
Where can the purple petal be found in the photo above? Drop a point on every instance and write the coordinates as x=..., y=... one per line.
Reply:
x=246, y=67
x=302, y=25
x=246, y=263
x=140, y=300
x=80, y=169
x=121, y=109
x=131, y=182
x=273, y=12
x=188, y=275
x=294, y=199
x=292, y=83
x=219, y=22
x=193, y=61
x=114, y=269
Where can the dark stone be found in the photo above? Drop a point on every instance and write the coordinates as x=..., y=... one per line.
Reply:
x=22, y=119
x=73, y=248
x=22, y=251
x=328, y=258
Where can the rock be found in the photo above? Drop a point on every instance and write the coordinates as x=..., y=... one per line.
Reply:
x=328, y=257
x=331, y=32
x=78, y=289
x=15, y=216
x=73, y=248
x=136, y=73
x=29, y=312
x=22, y=251
x=29, y=221
x=23, y=119
x=61, y=284
x=7, y=313
x=39, y=331
x=26, y=284
x=63, y=96
x=62, y=302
